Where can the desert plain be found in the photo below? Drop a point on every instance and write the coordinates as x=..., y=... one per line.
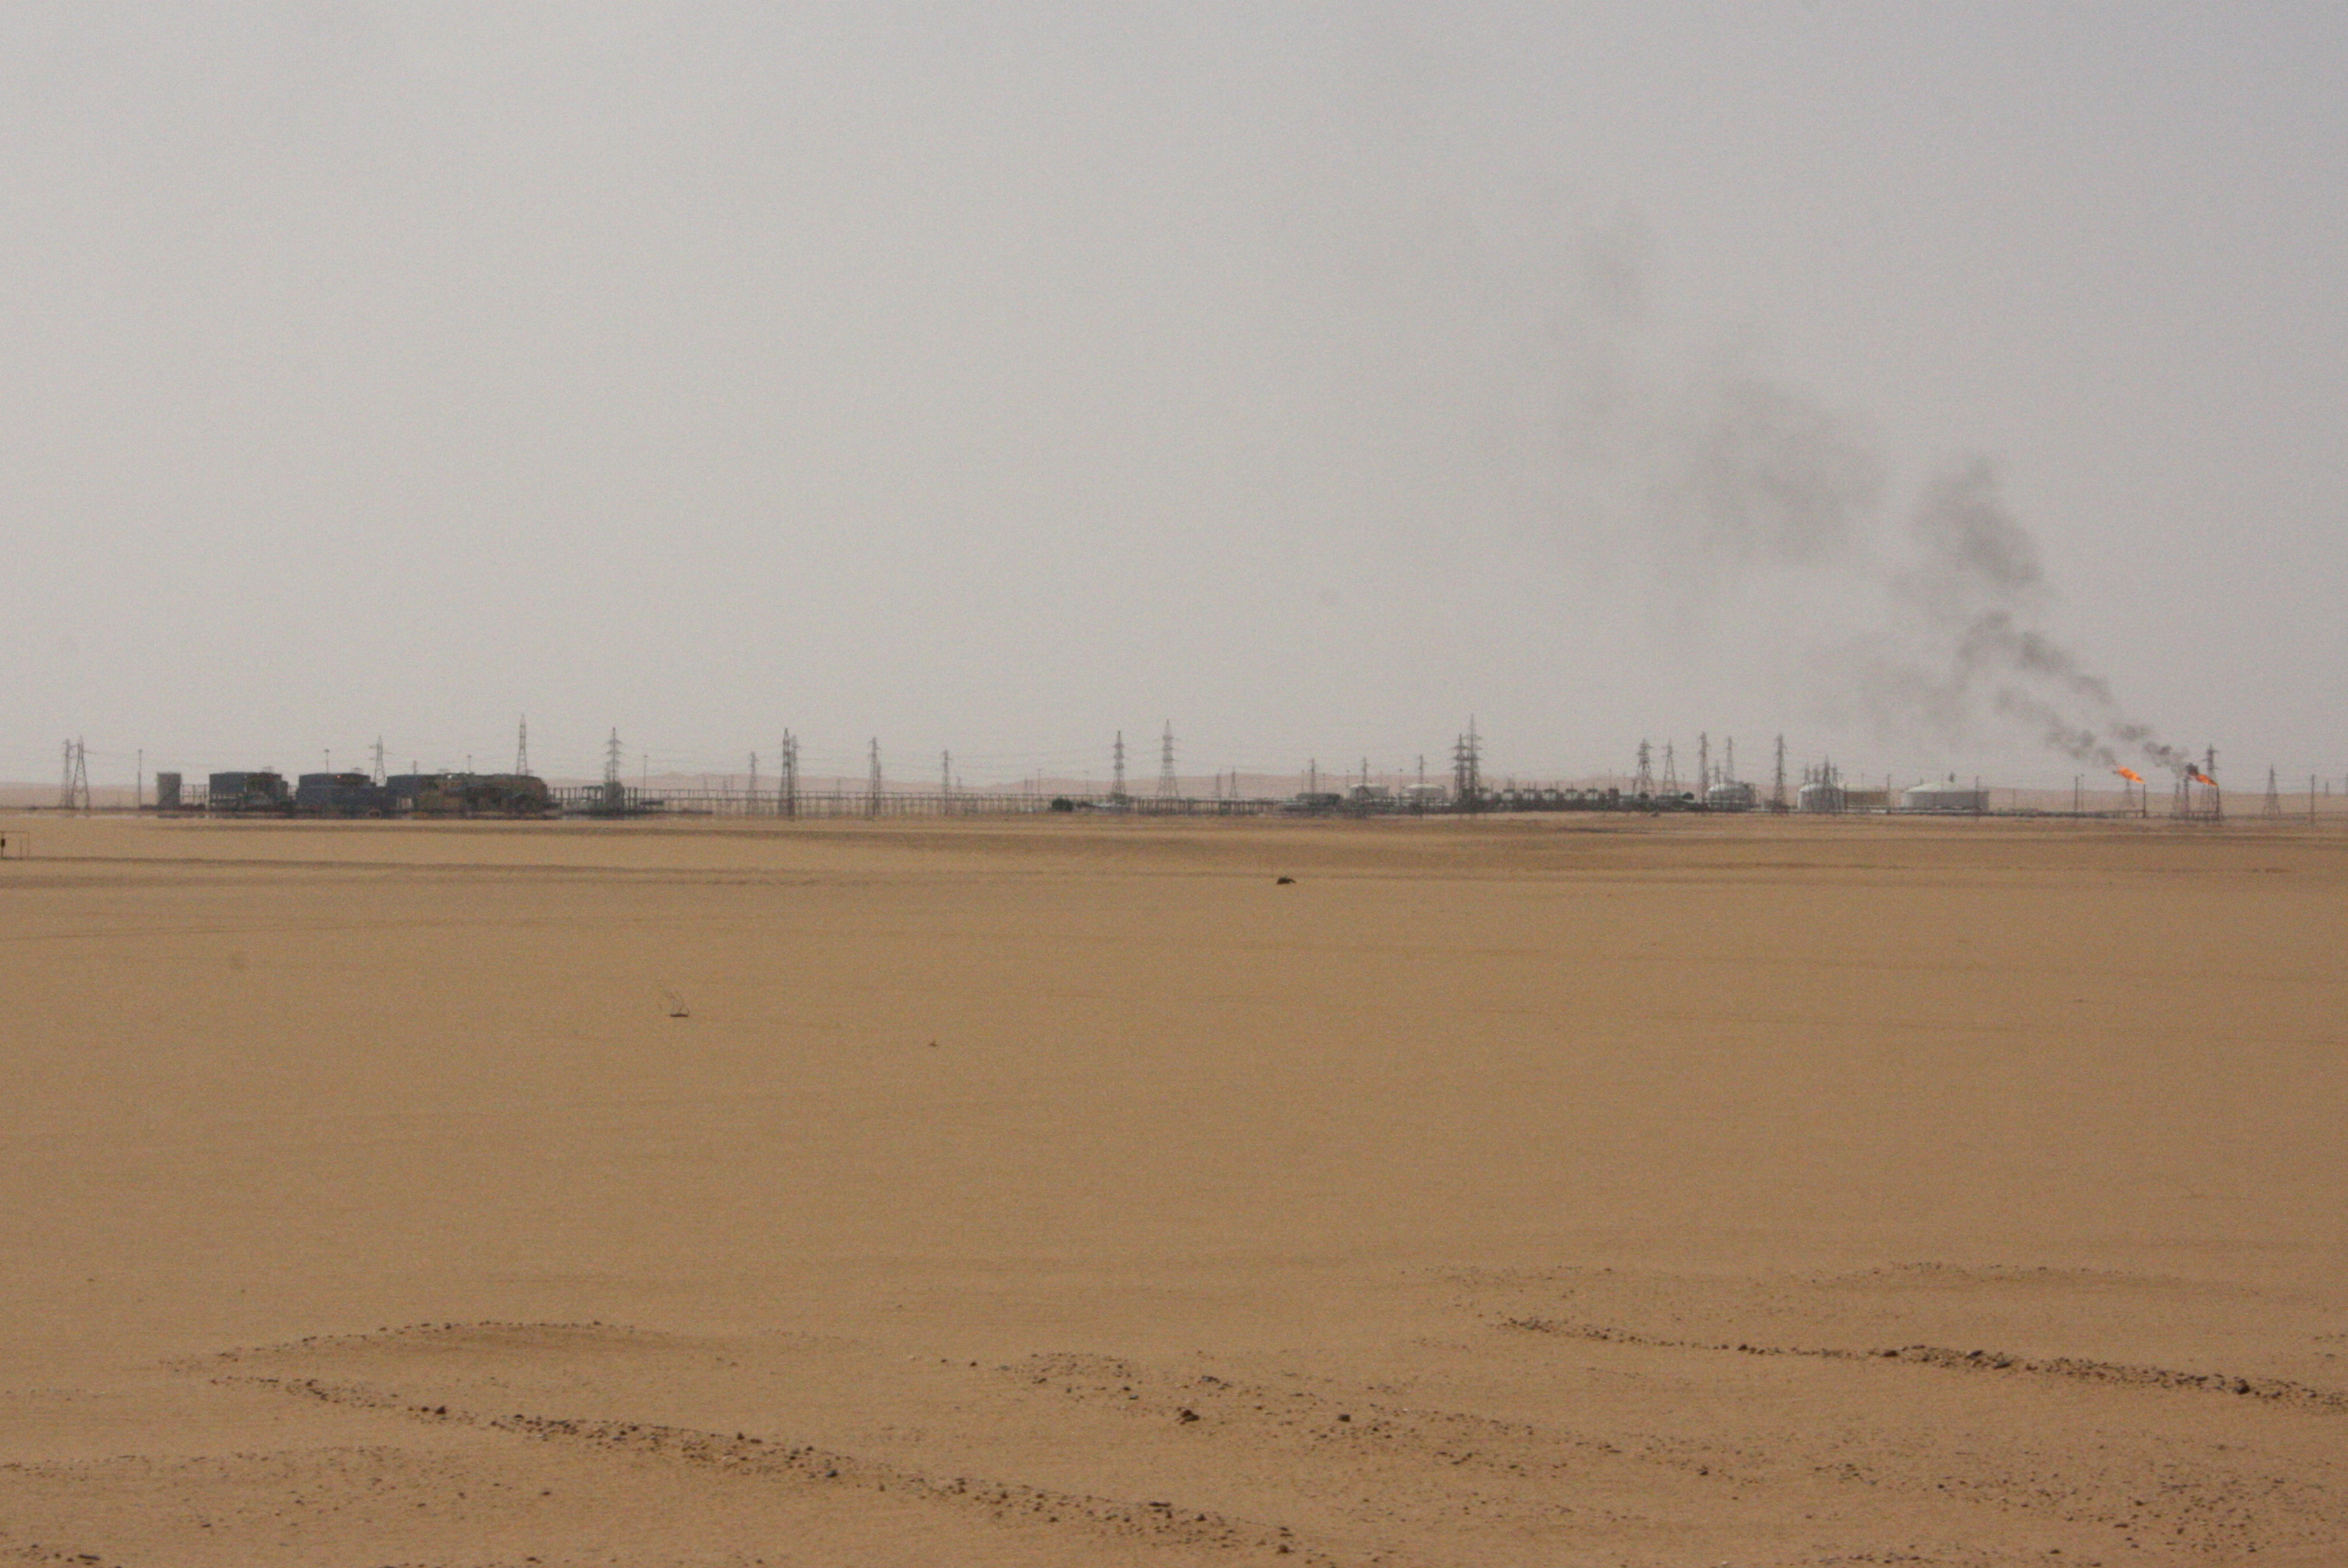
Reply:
x=1544, y=1192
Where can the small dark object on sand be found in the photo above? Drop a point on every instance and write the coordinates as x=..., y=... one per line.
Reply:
x=934, y=1044
x=1283, y=881
x=677, y=1008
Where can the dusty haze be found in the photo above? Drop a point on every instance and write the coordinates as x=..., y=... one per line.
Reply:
x=994, y=378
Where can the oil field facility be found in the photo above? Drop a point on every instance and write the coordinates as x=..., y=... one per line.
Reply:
x=1820, y=790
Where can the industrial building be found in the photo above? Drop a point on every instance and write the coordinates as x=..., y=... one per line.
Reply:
x=261, y=792
x=255, y=792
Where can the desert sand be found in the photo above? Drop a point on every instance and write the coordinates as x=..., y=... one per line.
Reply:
x=1511, y=1192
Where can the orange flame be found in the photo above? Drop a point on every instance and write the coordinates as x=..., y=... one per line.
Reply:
x=2130, y=774
x=2200, y=778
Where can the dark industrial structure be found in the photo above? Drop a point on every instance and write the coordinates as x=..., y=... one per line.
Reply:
x=266, y=794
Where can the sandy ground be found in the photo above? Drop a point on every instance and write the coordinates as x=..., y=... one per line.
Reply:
x=1070, y=1192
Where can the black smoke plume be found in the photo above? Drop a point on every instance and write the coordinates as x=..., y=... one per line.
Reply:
x=1977, y=585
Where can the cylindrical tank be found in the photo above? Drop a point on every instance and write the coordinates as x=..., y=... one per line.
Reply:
x=1821, y=797
x=1949, y=796
x=1730, y=795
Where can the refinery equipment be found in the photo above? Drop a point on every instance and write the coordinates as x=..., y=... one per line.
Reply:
x=1947, y=796
x=246, y=793
x=265, y=793
x=1822, y=795
x=337, y=795
x=1822, y=790
x=469, y=795
x=1731, y=795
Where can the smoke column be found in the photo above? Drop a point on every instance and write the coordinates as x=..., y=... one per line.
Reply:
x=1977, y=587
x=1734, y=477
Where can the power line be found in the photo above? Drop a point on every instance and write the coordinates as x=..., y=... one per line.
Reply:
x=73, y=794
x=1467, y=767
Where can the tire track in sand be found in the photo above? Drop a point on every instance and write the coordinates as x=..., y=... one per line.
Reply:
x=2117, y=1374
x=742, y=1455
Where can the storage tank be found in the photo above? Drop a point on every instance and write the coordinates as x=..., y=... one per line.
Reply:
x=1821, y=797
x=1730, y=795
x=1949, y=797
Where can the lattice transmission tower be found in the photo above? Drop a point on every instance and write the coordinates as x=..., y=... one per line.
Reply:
x=1467, y=767
x=616, y=787
x=73, y=790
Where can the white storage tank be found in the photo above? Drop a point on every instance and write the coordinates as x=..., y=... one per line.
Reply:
x=1949, y=796
x=1730, y=795
x=1821, y=797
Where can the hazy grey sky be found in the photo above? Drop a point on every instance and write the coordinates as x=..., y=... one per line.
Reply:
x=994, y=376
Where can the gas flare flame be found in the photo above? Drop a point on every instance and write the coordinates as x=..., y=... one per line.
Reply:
x=2130, y=774
x=2200, y=778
